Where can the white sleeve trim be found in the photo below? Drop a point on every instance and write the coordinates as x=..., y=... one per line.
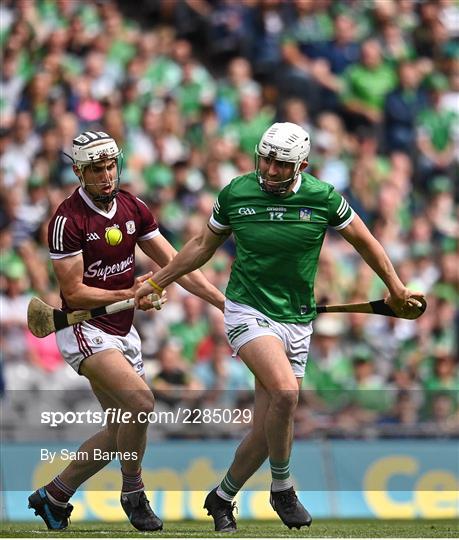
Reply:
x=56, y=256
x=149, y=235
x=345, y=223
x=218, y=225
x=144, y=203
x=58, y=233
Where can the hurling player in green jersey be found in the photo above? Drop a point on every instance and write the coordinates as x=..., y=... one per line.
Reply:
x=278, y=215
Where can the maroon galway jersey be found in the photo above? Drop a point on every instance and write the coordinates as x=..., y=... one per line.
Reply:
x=79, y=226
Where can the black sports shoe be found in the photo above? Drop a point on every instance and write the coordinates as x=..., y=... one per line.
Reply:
x=138, y=510
x=56, y=517
x=221, y=511
x=289, y=508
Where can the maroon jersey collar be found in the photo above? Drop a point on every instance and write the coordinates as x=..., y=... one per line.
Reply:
x=91, y=205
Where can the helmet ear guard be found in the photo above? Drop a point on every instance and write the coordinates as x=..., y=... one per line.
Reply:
x=285, y=142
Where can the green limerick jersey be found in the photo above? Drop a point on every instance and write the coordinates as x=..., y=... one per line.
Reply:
x=278, y=241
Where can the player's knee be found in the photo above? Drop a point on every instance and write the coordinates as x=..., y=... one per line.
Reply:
x=143, y=403
x=284, y=401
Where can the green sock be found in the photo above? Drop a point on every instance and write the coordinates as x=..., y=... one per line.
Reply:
x=280, y=472
x=228, y=488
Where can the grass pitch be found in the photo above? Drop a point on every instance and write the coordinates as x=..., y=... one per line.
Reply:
x=329, y=528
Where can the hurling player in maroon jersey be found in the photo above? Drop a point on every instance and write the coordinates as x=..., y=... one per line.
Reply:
x=92, y=237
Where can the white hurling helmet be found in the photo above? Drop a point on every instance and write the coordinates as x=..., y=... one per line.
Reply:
x=93, y=146
x=284, y=142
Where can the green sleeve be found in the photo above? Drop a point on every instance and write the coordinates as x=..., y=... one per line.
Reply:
x=220, y=215
x=340, y=214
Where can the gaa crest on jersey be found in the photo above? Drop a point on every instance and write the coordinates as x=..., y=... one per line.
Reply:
x=130, y=227
x=247, y=211
x=305, y=214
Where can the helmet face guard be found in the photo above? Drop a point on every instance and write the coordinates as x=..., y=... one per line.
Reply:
x=288, y=145
x=101, y=198
x=91, y=148
x=288, y=174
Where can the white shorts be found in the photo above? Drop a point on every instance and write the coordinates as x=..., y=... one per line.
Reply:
x=244, y=323
x=82, y=340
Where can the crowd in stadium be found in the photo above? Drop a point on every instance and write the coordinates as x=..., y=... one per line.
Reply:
x=186, y=89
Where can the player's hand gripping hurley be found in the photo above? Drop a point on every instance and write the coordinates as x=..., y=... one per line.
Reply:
x=379, y=307
x=43, y=319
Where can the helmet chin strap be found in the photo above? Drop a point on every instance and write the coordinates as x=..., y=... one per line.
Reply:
x=105, y=199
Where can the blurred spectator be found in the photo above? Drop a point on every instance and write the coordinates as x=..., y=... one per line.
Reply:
x=308, y=29
x=24, y=140
x=294, y=110
x=11, y=85
x=422, y=34
x=331, y=281
x=367, y=388
x=404, y=415
x=192, y=94
x=435, y=131
x=14, y=172
x=406, y=16
x=253, y=119
x=216, y=335
x=360, y=195
x=444, y=418
x=193, y=328
x=357, y=341
x=50, y=163
x=189, y=18
x=13, y=315
x=334, y=57
x=43, y=352
x=444, y=377
x=173, y=380
x=395, y=47
x=269, y=19
x=228, y=30
x=88, y=108
x=328, y=162
x=222, y=375
x=101, y=80
x=365, y=85
x=35, y=98
x=402, y=107
x=231, y=88
x=31, y=212
x=329, y=370
x=449, y=16
x=441, y=208
x=450, y=102
x=374, y=165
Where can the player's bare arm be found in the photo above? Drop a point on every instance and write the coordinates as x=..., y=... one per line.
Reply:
x=69, y=273
x=372, y=252
x=194, y=254
x=159, y=249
